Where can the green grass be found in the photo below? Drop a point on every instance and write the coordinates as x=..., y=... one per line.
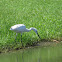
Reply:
x=42, y=14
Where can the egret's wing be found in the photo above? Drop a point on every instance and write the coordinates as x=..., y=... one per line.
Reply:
x=19, y=27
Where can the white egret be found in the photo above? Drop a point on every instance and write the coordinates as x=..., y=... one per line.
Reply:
x=20, y=28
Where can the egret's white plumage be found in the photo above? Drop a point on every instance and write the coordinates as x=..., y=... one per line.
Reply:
x=20, y=28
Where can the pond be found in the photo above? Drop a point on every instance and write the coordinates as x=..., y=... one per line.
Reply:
x=50, y=53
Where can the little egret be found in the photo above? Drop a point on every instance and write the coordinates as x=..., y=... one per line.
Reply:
x=20, y=28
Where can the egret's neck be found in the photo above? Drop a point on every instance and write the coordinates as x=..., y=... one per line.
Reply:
x=34, y=29
x=30, y=29
x=27, y=30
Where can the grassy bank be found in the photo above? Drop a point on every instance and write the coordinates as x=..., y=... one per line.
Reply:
x=42, y=14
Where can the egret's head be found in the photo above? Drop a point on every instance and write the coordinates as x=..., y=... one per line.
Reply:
x=35, y=30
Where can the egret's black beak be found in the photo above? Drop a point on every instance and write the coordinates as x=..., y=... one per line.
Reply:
x=38, y=35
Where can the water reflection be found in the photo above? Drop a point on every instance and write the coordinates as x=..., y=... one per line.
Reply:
x=37, y=54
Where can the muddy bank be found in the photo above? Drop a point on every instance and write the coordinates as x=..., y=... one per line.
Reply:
x=35, y=44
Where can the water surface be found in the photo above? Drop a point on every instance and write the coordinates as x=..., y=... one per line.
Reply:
x=35, y=54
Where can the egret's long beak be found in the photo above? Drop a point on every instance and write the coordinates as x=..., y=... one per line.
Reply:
x=38, y=35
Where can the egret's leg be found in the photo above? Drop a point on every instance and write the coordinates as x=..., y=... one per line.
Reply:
x=21, y=39
x=15, y=37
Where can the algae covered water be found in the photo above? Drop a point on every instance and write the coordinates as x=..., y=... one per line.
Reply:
x=34, y=54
